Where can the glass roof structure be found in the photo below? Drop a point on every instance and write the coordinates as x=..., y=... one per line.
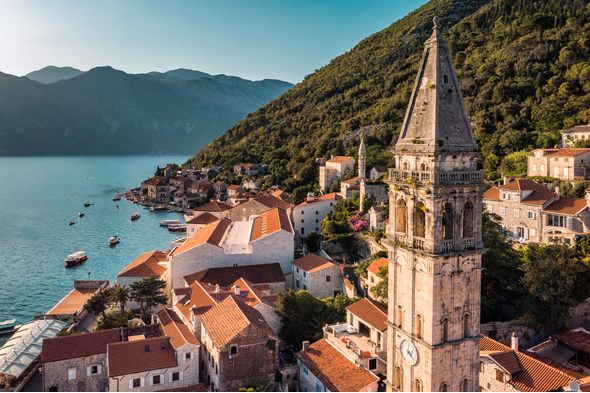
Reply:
x=26, y=344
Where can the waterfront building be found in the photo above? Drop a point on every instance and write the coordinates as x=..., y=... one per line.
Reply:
x=563, y=164
x=435, y=237
x=259, y=204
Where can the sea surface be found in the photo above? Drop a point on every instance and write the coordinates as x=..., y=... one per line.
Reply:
x=39, y=196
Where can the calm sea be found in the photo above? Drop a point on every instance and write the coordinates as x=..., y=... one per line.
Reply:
x=40, y=195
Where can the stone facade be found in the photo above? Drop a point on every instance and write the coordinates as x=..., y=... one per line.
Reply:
x=574, y=134
x=492, y=378
x=377, y=189
x=335, y=169
x=308, y=215
x=435, y=236
x=83, y=374
x=323, y=283
x=187, y=373
x=563, y=164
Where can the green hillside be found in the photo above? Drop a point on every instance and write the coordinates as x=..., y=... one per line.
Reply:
x=522, y=65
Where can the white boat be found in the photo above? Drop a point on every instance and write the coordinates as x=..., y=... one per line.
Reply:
x=134, y=216
x=81, y=214
x=165, y=223
x=152, y=209
x=77, y=257
x=9, y=326
x=113, y=240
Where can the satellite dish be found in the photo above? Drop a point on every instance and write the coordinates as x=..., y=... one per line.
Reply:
x=574, y=386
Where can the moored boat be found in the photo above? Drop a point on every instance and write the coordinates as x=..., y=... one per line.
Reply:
x=177, y=228
x=113, y=240
x=76, y=257
x=117, y=198
x=81, y=214
x=165, y=223
x=72, y=222
x=134, y=216
x=86, y=204
x=9, y=326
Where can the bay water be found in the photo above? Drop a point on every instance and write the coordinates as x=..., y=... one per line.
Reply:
x=39, y=196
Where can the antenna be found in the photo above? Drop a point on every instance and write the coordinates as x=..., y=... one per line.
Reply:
x=574, y=386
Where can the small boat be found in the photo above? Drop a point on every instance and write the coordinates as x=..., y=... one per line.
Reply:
x=165, y=223
x=9, y=326
x=86, y=204
x=134, y=216
x=117, y=198
x=113, y=240
x=152, y=209
x=72, y=222
x=81, y=214
x=177, y=228
x=77, y=257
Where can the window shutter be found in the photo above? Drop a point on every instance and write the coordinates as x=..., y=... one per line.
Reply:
x=99, y=369
x=526, y=233
x=169, y=377
x=180, y=376
x=142, y=382
x=88, y=371
x=131, y=384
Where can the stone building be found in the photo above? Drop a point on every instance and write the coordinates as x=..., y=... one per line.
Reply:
x=217, y=209
x=373, y=276
x=348, y=187
x=308, y=215
x=146, y=265
x=249, y=169
x=335, y=169
x=574, y=134
x=237, y=344
x=377, y=171
x=199, y=222
x=377, y=189
x=435, y=236
x=258, y=205
x=562, y=164
x=322, y=277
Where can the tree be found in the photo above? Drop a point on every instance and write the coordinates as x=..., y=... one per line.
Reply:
x=257, y=385
x=121, y=295
x=368, y=203
x=98, y=303
x=114, y=319
x=149, y=293
x=361, y=269
x=381, y=289
x=313, y=241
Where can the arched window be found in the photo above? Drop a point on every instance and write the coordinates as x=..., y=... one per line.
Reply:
x=417, y=385
x=444, y=387
x=400, y=225
x=447, y=221
x=423, y=167
x=468, y=220
x=464, y=385
x=400, y=316
x=399, y=378
x=419, y=327
x=466, y=325
x=405, y=166
x=445, y=330
x=420, y=223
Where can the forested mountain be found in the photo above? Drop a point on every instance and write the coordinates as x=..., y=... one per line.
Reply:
x=105, y=111
x=522, y=65
x=52, y=74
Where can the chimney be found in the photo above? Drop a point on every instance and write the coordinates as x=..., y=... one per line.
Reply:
x=305, y=345
x=216, y=287
x=331, y=156
x=310, y=197
x=237, y=289
x=514, y=341
x=557, y=192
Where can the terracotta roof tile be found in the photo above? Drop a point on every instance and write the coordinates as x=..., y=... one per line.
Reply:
x=86, y=344
x=577, y=338
x=130, y=357
x=523, y=184
x=380, y=169
x=224, y=276
x=538, y=197
x=350, y=181
x=272, y=201
x=145, y=265
x=230, y=317
x=269, y=222
x=492, y=193
x=585, y=128
x=213, y=206
x=173, y=326
x=339, y=159
x=335, y=370
x=212, y=234
x=566, y=152
x=377, y=265
x=333, y=195
x=312, y=263
x=204, y=218
x=507, y=360
x=488, y=344
x=556, y=365
x=567, y=205
x=371, y=312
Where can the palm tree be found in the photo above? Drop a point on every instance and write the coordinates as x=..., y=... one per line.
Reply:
x=257, y=385
x=121, y=295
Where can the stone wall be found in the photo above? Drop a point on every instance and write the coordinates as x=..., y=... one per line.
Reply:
x=56, y=374
x=79, y=284
x=379, y=190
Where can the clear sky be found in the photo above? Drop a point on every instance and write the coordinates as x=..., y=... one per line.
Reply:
x=253, y=39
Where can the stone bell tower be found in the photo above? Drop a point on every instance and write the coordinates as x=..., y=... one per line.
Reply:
x=435, y=238
x=362, y=160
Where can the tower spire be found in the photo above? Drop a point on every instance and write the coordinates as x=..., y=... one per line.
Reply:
x=362, y=160
x=436, y=119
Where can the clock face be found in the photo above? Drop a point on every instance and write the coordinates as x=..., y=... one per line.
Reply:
x=409, y=352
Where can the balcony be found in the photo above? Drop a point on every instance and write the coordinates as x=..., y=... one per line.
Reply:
x=448, y=246
x=468, y=244
x=436, y=177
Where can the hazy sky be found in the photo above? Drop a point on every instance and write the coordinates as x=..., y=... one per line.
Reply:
x=253, y=39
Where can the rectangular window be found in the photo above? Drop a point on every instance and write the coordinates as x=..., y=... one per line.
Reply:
x=490, y=209
x=554, y=220
x=71, y=374
x=304, y=287
x=520, y=232
x=317, y=229
x=566, y=172
x=176, y=376
x=503, y=211
x=233, y=350
x=136, y=382
x=499, y=376
x=304, y=274
x=305, y=371
x=302, y=231
x=316, y=212
x=506, y=196
x=155, y=380
x=530, y=215
x=93, y=370
x=302, y=220
x=302, y=212
x=188, y=355
x=556, y=171
x=297, y=283
x=372, y=364
x=516, y=212
x=534, y=167
x=328, y=278
x=297, y=270
x=316, y=221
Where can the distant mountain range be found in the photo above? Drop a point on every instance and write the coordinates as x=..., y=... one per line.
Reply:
x=103, y=111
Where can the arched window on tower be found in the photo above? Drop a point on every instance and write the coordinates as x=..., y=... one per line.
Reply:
x=447, y=221
x=445, y=330
x=444, y=387
x=464, y=385
x=420, y=223
x=399, y=378
x=400, y=316
x=419, y=326
x=405, y=167
x=423, y=167
x=400, y=224
x=466, y=325
x=417, y=385
x=468, y=220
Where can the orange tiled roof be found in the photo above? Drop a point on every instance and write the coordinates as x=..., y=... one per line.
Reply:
x=80, y=345
x=269, y=222
x=212, y=234
x=507, y=360
x=488, y=344
x=271, y=201
x=131, y=357
x=196, y=297
x=522, y=185
x=339, y=159
x=378, y=264
x=350, y=181
x=213, y=206
x=585, y=128
x=566, y=152
x=312, y=263
x=538, y=197
x=173, y=326
x=219, y=183
x=335, y=370
x=224, y=276
x=280, y=194
x=333, y=195
x=554, y=364
x=145, y=265
x=576, y=338
x=371, y=312
x=204, y=218
x=230, y=317
x=567, y=205
x=234, y=187
x=492, y=193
